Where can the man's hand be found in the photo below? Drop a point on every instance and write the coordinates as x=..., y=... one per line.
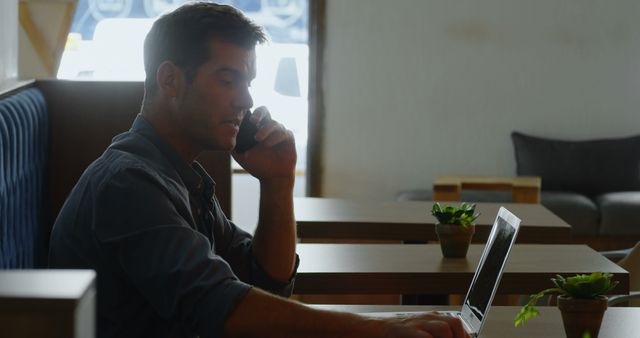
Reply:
x=275, y=154
x=430, y=325
x=262, y=314
x=272, y=161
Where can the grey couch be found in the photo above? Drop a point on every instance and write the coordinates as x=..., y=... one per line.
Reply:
x=593, y=185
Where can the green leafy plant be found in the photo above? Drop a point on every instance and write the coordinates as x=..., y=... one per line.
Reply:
x=463, y=215
x=579, y=286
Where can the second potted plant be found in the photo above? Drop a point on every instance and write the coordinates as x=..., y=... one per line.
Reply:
x=582, y=303
x=455, y=228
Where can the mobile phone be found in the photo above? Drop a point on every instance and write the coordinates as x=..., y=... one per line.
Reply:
x=246, y=135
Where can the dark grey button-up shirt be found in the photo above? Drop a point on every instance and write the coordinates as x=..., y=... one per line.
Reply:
x=168, y=261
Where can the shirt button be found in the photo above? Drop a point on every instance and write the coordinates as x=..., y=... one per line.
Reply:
x=199, y=211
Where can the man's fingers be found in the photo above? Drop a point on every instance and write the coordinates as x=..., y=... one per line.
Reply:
x=270, y=132
x=273, y=133
x=265, y=129
x=437, y=328
x=260, y=115
x=453, y=324
x=278, y=136
x=456, y=327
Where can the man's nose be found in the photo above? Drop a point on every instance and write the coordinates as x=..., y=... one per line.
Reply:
x=245, y=101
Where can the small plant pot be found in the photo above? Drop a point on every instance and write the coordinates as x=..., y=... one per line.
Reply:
x=582, y=315
x=454, y=239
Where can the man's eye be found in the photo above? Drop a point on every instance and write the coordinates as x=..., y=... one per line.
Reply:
x=226, y=82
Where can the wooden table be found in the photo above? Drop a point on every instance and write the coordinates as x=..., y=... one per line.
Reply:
x=47, y=303
x=618, y=322
x=420, y=269
x=327, y=219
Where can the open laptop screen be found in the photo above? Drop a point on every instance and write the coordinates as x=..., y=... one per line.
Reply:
x=486, y=278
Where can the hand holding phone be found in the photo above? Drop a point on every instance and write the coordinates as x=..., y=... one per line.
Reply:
x=246, y=135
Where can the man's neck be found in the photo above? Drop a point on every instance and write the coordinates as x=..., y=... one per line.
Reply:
x=168, y=130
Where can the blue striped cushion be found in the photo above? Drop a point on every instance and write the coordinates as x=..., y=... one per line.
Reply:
x=23, y=154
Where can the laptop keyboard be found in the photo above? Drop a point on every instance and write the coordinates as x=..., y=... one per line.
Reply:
x=406, y=314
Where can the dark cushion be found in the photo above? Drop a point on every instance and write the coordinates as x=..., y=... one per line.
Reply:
x=591, y=167
x=620, y=213
x=576, y=209
x=23, y=157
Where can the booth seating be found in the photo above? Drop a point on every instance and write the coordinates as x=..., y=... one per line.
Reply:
x=50, y=131
x=23, y=157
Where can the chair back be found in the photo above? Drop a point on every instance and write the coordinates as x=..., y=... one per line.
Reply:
x=23, y=157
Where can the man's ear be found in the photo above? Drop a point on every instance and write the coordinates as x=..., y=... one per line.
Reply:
x=169, y=78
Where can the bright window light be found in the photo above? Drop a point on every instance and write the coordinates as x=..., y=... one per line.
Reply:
x=106, y=43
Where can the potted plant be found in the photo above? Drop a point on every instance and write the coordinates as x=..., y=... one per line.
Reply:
x=581, y=301
x=454, y=227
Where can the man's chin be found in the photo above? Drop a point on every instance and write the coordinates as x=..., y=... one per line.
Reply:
x=215, y=146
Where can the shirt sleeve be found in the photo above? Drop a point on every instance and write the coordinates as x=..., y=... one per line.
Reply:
x=138, y=220
x=235, y=246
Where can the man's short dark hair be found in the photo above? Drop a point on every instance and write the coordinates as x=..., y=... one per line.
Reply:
x=184, y=35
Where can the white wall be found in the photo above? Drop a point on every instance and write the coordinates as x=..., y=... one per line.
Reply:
x=8, y=40
x=420, y=88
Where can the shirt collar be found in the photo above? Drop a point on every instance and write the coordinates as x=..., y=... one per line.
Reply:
x=194, y=176
x=208, y=185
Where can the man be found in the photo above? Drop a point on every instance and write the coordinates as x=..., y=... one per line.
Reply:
x=145, y=217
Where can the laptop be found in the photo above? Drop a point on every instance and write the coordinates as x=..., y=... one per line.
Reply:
x=486, y=279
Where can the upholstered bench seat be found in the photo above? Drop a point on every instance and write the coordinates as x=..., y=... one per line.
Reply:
x=620, y=213
x=50, y=131
x=594, y=185
x=576, y=209
x=23, y=156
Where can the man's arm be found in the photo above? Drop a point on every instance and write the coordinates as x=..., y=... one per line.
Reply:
x=273, y=161
x=260, y=314
x=275, y=237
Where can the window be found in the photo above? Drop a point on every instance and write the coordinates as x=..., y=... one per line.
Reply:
x=107, y=36
x=106, y=41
